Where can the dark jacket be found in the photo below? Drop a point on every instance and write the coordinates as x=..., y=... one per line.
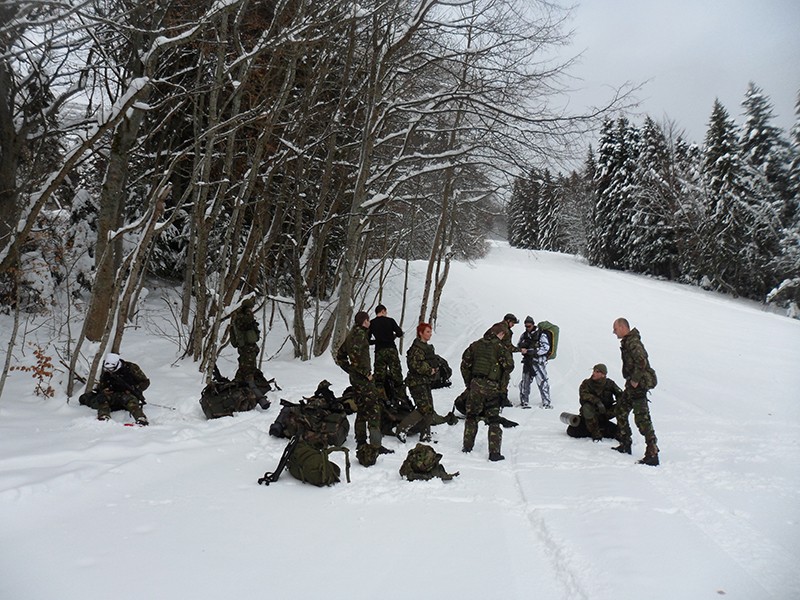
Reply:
x=129, y=375
x=383, y=331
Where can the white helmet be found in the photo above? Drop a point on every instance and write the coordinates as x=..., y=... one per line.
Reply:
x=112, y=362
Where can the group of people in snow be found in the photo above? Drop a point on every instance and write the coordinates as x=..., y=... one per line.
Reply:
x=486, y=367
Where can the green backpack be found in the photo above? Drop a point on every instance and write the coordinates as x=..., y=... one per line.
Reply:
x=552, y=330
x=422, y=462
x=311, y=465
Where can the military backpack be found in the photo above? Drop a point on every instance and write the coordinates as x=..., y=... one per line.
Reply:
x=222, y=399
x=311, y=464
x=552, y=331
x=423, y=462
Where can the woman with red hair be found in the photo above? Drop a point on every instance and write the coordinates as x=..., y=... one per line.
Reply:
x=421, y=360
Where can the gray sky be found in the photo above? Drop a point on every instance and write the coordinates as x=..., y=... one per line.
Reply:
x=691, y=51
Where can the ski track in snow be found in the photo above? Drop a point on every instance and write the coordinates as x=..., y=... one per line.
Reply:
x=563, y=564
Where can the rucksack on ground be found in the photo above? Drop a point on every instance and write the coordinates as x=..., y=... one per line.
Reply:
x=311, y=464
x=423, y=463
x=222, y=399
x=552, y=330
x=323, y=416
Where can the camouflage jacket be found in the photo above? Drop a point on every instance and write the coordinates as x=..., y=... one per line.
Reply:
x=508, y=339
x=421, y=360
x=635, y=364
x=486, y=358
x=129, y=375
x=244, y=328
x=604, y=392
x=356, y=347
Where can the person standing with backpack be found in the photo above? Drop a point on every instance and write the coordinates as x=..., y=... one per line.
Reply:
x=484, y=366
x=422, y=368
x=354, y=359
x=534, y=344
x=244, y=335
x=640, y=378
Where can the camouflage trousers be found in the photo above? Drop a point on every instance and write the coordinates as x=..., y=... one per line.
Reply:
x=591, y=415
x=119, y=401
x=387, y=366
x=422, y=414
x=634, y=398
x=483, y=402
x=368, y=412
x=248, y=358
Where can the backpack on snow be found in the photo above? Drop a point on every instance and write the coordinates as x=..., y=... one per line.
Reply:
x=222, y=399
x=551, y=330
x=422, y=463
x=312, y=465
x=321, y=417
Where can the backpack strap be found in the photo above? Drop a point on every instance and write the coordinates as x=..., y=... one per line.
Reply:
x=272, y=477
x=346, y=452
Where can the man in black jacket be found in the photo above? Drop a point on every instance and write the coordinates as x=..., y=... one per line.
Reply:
x=383, y=330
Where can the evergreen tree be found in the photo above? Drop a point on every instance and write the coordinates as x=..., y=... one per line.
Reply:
x=787, y=263
x=740, y=234
x=616, y=169
x=547, y=214
x=764, y=150
x=514, y=212
x=652, y=244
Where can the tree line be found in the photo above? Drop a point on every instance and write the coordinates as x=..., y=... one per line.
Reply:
x=724, y=215
x=287, y=148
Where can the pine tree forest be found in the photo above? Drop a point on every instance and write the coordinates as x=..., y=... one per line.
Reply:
x=724, y=215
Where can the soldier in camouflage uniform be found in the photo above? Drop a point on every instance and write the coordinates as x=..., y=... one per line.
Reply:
x=484, y=366
x=639, y=378
x=383, y=331
x=508, y=343
x=598, y=395
x=121, y=386
x=244, y=337
x=421, y=359
x=353, y=357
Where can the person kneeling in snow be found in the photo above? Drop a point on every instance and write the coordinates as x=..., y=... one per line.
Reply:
x=598, y=395
x=121, y=386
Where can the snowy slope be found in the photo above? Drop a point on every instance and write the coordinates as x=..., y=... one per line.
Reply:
x=92, y=510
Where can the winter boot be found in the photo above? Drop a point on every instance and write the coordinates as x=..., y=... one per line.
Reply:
x=496, y=456
x=650, y=455
x=623, y=448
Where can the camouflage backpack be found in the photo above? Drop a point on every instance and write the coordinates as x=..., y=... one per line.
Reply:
x=367, y=454
x=422, y=462
x=323, y=418
x=311, y=464
x=222, y=399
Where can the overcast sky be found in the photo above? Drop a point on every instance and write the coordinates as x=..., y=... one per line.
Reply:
x=689, y=52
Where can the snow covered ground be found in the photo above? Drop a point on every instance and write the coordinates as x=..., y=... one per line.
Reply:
x=95, y=511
